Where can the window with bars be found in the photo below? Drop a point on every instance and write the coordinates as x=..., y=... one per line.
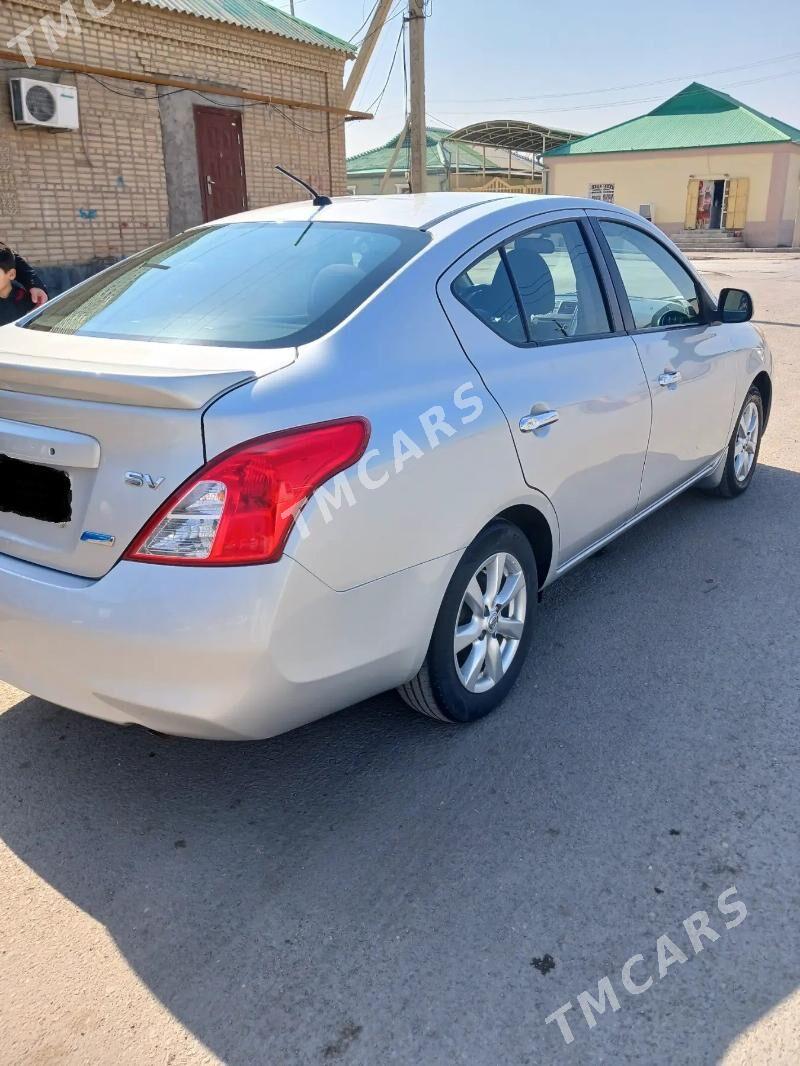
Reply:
x=604, y=192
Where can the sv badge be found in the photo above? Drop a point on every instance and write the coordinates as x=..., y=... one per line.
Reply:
x=138, y=480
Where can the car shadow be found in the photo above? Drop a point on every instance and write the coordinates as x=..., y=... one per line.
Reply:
x=376, y=887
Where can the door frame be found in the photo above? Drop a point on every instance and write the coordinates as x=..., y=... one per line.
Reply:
x=742, y=187
x=523, y=226
x=709, y=319
x=227, y=112
x=562, y=557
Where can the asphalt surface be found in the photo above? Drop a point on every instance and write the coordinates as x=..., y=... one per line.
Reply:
x=376, y=888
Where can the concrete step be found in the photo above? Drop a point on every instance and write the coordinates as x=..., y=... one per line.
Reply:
x=699, y=249
x=708, y=235
x=708, y=248
x=707, y=241
x=726, y=239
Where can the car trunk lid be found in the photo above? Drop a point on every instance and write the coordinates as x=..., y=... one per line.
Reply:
x=95, y=434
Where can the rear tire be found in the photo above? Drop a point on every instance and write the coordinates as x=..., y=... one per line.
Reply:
x=743, y=449
x=483, y=631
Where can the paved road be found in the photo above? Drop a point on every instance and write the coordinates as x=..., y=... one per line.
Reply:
x=376, y=889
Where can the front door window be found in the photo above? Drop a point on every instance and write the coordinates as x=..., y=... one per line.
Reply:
x=660, y=291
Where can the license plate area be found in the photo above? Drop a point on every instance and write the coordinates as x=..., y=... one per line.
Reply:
x=31, y=490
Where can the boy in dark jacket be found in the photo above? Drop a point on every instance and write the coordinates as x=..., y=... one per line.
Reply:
x=15, y=300
x=29, y=279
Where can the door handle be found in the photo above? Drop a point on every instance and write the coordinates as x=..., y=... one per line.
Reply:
x=209, y=182
x=669, y=377
x=530, y=423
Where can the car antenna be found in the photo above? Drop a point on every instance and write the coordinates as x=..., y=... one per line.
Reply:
x=319, y=199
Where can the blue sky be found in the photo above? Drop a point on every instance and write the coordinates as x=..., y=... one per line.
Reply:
x=480, y=55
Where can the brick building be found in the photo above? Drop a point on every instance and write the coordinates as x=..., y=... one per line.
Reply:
x=185, y=107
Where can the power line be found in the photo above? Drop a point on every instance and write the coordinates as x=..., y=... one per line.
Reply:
x=620, y=88
x=398, y=11
x=353, y=36
x=376, y=103
x=626, y=103
x=369, y=72
x=141, y=95
x=435, y=118
x=240, y=106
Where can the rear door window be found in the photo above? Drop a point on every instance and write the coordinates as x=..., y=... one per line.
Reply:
x=541, y=287
x=486, y=289
x=240, y=284
x=557, y=283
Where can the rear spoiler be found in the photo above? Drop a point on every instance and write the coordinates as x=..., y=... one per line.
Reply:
x=140, y=386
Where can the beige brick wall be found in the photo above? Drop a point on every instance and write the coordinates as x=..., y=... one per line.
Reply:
x=101, y=192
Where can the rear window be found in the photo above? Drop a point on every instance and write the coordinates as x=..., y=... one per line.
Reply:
x=243, y=284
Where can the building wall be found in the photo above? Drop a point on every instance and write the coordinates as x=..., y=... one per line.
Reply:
x=662, y=178
x=370, y=185
x=464, y=182
x=102, y=192
x=791, y=204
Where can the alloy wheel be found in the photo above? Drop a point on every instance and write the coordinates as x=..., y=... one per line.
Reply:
x=746, y=443
x=490, y=622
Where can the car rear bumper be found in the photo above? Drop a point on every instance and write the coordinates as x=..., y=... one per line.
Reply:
x=235, y=653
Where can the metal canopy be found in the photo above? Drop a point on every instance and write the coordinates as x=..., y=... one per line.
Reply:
x=513, y=135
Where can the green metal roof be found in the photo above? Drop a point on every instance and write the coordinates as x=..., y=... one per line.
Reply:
x=440, y=156
x=255, y=15
x=696, y=117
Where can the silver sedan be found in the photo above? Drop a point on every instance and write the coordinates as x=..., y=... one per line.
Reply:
x=290, y=459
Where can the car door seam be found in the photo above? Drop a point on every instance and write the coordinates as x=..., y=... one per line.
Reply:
x=652, y=420
x=500, y=408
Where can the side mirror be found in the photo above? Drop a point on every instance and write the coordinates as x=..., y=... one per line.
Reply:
x=735, y=305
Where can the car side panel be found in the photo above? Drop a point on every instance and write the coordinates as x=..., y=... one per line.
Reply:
x=754, y=358
x=440, y=462
x=690, y=419
x=589, y=464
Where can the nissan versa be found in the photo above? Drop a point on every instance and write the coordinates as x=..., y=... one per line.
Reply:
x=288, y=460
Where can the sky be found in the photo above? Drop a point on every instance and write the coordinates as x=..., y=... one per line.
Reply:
x=576, y=65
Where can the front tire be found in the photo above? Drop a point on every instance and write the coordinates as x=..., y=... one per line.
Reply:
x=483, y=631
x=744, y=447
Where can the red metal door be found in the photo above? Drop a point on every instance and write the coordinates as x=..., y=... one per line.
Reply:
x=220, y=161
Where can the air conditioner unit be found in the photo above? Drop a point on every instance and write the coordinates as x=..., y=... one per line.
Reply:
x=44, y=103
x=648, y=211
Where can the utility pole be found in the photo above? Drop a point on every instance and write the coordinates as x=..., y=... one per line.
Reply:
x=365, y=51
x=401, y=140
x=291, y=8
x=419, y=141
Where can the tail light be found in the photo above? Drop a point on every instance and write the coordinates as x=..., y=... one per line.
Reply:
x=240, y=508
